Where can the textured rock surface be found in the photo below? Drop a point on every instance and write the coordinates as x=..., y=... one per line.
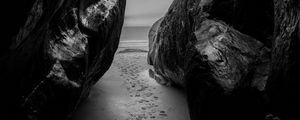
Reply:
x=183, y=34
x=152, y=37
x=219, y=51
x=283, y=85
x=63, y=49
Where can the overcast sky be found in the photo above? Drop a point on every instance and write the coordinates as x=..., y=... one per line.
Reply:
x=145, y=12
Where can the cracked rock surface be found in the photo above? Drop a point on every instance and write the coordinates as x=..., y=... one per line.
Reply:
x=226, y=54
x=61, y=51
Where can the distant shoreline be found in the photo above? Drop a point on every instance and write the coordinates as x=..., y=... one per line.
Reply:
x=134, y=33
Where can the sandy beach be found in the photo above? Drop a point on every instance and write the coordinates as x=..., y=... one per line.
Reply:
x=126, y=92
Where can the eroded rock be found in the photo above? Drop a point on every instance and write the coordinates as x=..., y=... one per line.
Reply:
x=152, y=37
x=223, y=70
x=231, y=56
x=62, y=50
x=284, y=82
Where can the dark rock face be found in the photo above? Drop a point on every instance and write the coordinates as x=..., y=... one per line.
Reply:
x=182, y=35
x=62, y=50
x=152, y=37
x=218, y=54
x=251, y=17
x=11, y=27
x=283, y=85
x=228, y=74
x=234, y=59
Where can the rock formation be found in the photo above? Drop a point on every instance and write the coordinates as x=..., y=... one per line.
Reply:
x=220, y=52
x=152, y=37
x=283, y=86
x=60, y=52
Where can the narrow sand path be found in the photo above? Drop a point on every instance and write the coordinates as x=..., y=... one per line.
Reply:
x=126, y=92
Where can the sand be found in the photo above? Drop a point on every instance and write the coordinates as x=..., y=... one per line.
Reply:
x=126, y=92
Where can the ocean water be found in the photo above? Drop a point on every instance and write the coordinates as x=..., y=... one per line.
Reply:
x=135, y=33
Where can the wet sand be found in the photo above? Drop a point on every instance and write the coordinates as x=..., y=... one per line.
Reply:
x=126, y=92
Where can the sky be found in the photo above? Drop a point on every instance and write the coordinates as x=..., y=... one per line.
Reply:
x=145, y=12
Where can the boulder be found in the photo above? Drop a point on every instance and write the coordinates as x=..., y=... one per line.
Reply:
x=223, y=68
x=61, y=51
